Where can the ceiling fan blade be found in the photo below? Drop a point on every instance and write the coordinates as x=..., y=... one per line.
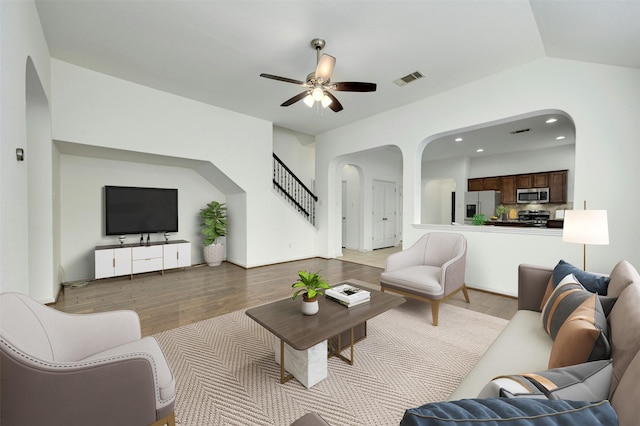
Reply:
x=354, y=86
x=335, y=104
x=285, y=79
x=325, y=67
x=293, y=100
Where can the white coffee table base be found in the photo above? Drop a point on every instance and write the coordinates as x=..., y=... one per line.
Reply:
x=308, y=367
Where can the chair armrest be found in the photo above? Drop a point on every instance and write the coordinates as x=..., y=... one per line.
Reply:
x=532, y=284
x=37, y=392
x=77, y=336
x=453, y=273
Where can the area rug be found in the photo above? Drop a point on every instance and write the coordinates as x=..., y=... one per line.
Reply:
x=226, y=372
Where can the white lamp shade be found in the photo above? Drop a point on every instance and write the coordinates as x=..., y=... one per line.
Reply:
x=585, y=227
x=308, y=100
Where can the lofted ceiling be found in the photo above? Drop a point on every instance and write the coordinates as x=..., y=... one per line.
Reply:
x=214, y=51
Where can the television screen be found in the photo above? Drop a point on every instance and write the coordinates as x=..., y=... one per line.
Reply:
x=131, y=210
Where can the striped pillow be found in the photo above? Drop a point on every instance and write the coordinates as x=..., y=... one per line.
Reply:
x=575, y=319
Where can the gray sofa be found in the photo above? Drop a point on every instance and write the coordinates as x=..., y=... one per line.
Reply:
x=524, y=346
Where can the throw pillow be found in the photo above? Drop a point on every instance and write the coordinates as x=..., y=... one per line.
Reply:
x=592, y=282
x=513, y=412
x=576, y=321
x=589, y=381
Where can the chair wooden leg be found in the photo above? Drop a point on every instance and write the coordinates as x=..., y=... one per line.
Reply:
x=435, y=306
x=466, y=293
x=170, y=420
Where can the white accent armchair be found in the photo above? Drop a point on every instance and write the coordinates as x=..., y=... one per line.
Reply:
x=431, y=270
x=93, y=369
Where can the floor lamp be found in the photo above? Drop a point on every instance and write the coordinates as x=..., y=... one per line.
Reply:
x=585, y=227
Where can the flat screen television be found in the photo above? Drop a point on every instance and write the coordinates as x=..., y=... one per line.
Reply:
x=132, y=210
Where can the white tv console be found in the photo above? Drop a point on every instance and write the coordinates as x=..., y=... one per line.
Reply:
x=128, y=259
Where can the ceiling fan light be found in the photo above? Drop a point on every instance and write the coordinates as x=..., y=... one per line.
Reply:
x=317, y=94
x=308, y=100
x=326, y=101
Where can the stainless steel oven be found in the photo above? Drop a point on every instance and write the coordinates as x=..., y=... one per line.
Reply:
x=533, y=195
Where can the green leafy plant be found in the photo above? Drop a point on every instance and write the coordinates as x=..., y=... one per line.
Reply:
x=478, y=219
x=310, y=283
x=214, y=222
x=500, y=210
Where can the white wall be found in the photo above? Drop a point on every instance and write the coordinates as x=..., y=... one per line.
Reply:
x=23, y=43
x=296, y=154
x=601, y=99
x=83, y=180
x=101, y=111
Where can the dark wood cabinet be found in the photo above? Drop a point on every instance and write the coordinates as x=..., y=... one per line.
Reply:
x=558, y=187
x=491, y=184
x=508, y=185
x=508, y=189
x=541, y=180
x=523, y=181
x=474, y=184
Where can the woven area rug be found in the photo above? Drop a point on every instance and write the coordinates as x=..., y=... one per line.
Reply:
x=227, y=375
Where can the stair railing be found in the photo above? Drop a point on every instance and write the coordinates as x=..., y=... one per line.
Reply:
x=293, y=190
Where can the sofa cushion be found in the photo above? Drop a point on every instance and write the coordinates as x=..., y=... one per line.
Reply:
x=621, y=276
x=625, y=331
x=595, y=283
x=589, y=381
x=521, y=346
x=514, y=412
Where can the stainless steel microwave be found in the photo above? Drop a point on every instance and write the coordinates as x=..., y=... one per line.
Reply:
x=533, y=195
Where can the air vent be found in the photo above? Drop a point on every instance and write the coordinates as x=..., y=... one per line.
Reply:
x=515, y=132
x=416, y=75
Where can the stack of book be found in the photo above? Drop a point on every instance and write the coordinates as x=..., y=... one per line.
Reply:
x=347, y=295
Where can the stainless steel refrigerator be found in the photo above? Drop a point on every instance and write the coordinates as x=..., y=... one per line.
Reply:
x=480, y=202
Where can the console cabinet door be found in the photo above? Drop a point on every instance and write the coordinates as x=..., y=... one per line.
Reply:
x=184, y=255
x=170, y=256
x=104, y=263
x=122, y=261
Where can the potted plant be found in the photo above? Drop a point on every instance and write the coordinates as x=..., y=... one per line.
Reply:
x=310, y=285
x=478, y=219
x=214, y=226
x=501, y=213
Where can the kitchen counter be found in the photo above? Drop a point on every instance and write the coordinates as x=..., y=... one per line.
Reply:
x=519, y=223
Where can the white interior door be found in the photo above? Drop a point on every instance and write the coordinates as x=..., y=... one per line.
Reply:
x=384, y=214
x=344, y=213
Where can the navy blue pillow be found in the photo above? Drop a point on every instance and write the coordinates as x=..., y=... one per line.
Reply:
x=593, y=283
x=511, y=412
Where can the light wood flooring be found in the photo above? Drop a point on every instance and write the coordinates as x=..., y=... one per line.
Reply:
x=184, y=296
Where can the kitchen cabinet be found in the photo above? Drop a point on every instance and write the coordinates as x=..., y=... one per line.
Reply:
x=558, y=187
x=474, y=184
x=508, y=189
x=556, y=181
x=523, y=181
x=541, y=180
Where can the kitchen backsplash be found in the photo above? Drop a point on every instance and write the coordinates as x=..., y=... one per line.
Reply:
x=549, y=206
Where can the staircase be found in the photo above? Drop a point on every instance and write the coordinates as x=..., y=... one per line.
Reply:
x=293, y=190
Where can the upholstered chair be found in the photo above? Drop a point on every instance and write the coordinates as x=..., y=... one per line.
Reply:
x=93, y=369
x=431, y=270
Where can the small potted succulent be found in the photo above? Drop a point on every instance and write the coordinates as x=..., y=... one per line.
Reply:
x=501, y=213
x=310, y=285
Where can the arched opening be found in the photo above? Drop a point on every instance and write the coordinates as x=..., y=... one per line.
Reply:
x=536, y=142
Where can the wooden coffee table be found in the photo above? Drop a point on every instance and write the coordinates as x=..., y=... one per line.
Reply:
x=307, y=336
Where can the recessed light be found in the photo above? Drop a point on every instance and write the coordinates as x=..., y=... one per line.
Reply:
x=458, y=139
x=551, y=120
x=479, y=150
x=559, y=138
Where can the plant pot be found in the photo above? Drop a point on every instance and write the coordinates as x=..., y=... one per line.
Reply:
x=213, y=254
x=310, y=306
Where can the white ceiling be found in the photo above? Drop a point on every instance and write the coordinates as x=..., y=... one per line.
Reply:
x=214, y=51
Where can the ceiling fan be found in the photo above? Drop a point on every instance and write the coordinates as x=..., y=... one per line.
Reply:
x=318, y=85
